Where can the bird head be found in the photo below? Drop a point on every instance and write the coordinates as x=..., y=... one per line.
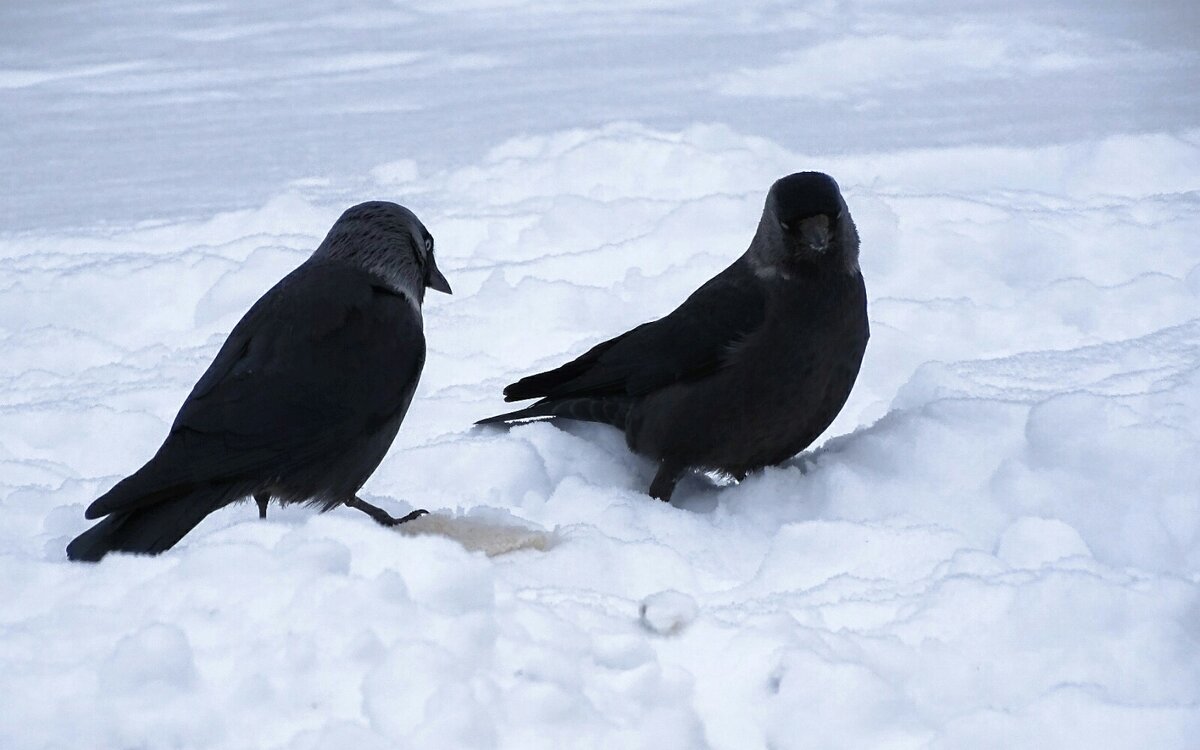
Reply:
x=389, y=241
x=433, y=277
x=805, y=226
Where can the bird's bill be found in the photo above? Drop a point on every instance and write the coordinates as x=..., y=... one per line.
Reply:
x=434, y=278
x=814, y=231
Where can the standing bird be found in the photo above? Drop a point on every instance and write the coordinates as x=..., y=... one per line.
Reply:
x=750, y=369
x=304, y=398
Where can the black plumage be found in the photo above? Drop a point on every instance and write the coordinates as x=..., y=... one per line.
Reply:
x=304, y=398
x=750, y=369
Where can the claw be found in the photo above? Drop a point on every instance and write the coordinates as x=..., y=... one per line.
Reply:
x=381, y=516
x=412, y=516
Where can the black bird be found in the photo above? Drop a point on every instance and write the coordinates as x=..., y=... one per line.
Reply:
x=304, y=398
x=750, y=369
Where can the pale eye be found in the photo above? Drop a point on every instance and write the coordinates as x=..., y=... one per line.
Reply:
x=428, y=245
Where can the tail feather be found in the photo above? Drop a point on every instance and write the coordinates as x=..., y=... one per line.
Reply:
x=149, y=530
x=611, y=411
x=552, y=382
x=128, y=495
x=159, y=480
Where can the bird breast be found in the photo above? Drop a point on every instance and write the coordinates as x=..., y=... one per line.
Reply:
x=778, y=391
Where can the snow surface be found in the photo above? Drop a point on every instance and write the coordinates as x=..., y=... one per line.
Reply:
x=996, y=545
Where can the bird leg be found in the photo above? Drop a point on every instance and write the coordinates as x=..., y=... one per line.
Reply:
x=381, y=516
x=262, y=499
x=664, y=482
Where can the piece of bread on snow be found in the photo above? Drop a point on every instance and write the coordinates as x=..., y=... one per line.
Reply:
x=491, y=531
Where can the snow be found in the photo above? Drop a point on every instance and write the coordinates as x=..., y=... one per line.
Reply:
x=668, y=612
x=997, y=544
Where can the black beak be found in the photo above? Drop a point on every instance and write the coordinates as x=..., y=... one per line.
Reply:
x=434, y=278
x=814, y=232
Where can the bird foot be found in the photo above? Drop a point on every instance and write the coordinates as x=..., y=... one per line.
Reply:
x=381, y=516
x=261, y=501
x=410, y=517
x=665, y=480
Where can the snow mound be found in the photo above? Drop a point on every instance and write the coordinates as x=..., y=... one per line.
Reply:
x=1000, y=531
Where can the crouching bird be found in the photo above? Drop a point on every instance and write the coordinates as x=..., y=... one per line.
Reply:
x=304, y=398
x=750, y=369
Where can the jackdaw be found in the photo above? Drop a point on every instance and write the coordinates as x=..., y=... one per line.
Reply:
x=750, y=369
x=304, y=398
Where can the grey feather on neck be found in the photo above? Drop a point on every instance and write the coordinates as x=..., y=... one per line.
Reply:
x=383, y=240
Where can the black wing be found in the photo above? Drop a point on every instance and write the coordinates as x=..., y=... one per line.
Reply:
x=325, y=356
x=691, y=342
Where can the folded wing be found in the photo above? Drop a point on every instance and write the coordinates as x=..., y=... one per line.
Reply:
x=324, y=357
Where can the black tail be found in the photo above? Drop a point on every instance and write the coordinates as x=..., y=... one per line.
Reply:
x=558, y=382
x=149, y=530
x=613, y=411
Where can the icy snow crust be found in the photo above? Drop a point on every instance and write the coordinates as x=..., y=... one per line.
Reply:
x=996, y=545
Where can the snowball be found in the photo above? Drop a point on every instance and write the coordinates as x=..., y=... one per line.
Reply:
x=668, y=612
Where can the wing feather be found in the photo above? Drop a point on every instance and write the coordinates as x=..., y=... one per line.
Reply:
x=692, y=341
x=322, y=358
